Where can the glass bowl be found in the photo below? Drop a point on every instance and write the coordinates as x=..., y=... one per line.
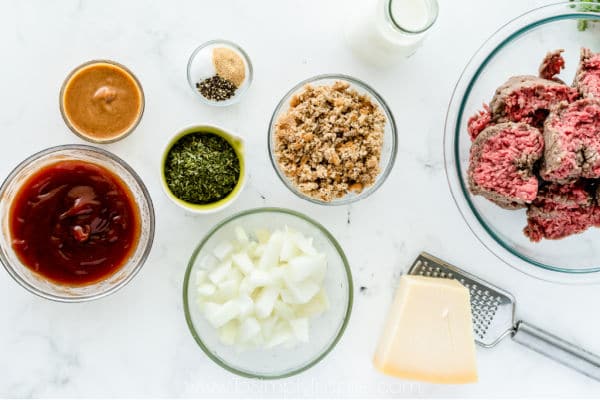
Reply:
x=325, y=330
x=195, y=71
x=517, y=49
x=72, y=293
x=73, y=127
x=388, y=151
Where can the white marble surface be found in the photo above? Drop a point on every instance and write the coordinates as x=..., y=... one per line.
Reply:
x=136, y=343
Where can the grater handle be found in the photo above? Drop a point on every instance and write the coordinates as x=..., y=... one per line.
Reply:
x=557, y=349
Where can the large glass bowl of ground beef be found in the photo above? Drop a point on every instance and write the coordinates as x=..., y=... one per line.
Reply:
x=522, y=143
x=332, y=140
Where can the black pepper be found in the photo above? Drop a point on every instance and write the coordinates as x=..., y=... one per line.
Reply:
x=216, y=88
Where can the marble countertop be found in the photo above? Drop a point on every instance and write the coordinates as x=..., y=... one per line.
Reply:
x=136, y=342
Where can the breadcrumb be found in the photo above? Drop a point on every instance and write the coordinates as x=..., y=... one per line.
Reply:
x=329, y=141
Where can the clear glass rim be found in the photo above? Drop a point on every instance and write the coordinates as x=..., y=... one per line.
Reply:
x=390, y=16
x=240, y=93
x=186, y=282
x=390, y=120
x=90, y=139
x=151, y=217
x=503, y=36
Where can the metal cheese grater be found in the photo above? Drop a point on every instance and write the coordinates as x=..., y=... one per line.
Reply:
x=493, y=311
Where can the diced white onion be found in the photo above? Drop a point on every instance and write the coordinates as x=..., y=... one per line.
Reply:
x=262, y=290
x=218, y=274
x=243, y=262
x=265, y=301
x=222, y=250
x=220, y=314
x=241, y=236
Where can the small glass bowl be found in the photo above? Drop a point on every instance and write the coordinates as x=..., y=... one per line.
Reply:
x=238, y=145
x=81, y=134
x=388, y=151
x=70, y=293
x=325, y=330
x=196, y=57
x=518, y=48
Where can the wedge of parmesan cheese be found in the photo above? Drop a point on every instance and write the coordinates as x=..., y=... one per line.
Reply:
x=428, y=335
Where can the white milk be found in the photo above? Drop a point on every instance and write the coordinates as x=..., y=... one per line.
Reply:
x=412, y=15
x=385, y=31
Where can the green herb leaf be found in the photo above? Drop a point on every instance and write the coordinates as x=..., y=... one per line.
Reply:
x=202, y=168
x=589, y=6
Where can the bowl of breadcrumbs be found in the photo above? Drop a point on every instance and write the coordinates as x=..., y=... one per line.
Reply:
x=332, y=140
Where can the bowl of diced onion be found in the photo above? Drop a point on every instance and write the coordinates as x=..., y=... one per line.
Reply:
x=268, y=293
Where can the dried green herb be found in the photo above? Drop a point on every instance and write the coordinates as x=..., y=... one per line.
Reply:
x=216, y=88
x=202, y=168
x=589, y=6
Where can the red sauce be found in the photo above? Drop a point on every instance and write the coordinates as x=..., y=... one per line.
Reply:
x=74, y=222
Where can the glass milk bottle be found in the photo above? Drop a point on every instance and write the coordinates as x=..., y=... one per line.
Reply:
x=385, y=31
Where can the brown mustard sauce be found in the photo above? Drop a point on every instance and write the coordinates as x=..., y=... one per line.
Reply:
x=102, y=101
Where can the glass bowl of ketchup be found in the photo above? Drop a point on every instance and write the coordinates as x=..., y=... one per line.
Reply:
x=77, y=223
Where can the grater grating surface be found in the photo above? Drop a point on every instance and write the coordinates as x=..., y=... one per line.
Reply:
x=492, y=308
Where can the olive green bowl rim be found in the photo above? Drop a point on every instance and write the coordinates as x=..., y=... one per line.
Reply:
x=239, y=149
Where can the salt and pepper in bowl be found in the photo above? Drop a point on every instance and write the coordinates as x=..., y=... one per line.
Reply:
x=220, y=72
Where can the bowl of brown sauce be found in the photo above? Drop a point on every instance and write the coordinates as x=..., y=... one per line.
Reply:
x=102, y=101
x=77, y=223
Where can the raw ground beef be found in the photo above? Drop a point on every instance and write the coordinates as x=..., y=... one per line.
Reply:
x=528, y=99
x=537, y=145
x=572, y=137
x=551, y=65
x=587, y=79
x=501, y=164
x=560, y=211
x=479, y=121
x=525, y=98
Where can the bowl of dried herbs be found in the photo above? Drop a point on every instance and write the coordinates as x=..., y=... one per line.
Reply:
x=202, y=168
